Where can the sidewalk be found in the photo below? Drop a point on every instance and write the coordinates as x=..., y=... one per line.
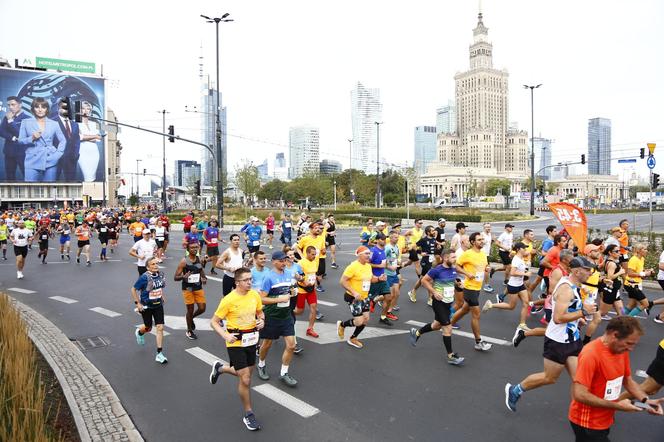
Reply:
x=98, y=413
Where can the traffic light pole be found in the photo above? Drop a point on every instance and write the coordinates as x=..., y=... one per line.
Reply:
x=650, y=205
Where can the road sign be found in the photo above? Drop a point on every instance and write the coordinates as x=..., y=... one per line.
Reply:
x=651, y=148
x=650, y=162
x=628, y=160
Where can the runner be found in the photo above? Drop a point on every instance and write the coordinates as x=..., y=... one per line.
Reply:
x=242, y=310
x=4, y=231
x=276, y=296
x=230, y=261
x=440, y=282
x=488, y=241
x=113, y=231
x=83, y=234
x=368, y=234
x=166, y=222
x=551, y=232
x=187, y=222
x=20, y=238
x=427, y=247
x=136, y=230
x=392, y=266
x=474, y=266
x=143, y=251
x=624, y=243
x=562, y=341
x=42, y=236
x=269, y=229
x=286, y=228
x=252, y=234
x=259, y=271
x=148, y=295
x=102, y=234
x=316, y=238
x=590, y=289
x=413, y=236
x=211, y=237
x=505, y=241
x=634, y=281
x=306, y=289
x=330, y=239
x=201, y=225
x=356, y=280
x=379, y=290
x=190, y=271
x=160, y=239
x=610, y=286
x=440, y=234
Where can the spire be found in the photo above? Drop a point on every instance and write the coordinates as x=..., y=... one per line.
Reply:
x=480, y=29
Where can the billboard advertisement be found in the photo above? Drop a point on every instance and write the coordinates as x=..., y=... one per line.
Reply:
x=36, y=144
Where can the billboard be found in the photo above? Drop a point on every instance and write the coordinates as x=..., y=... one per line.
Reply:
x=36, y=144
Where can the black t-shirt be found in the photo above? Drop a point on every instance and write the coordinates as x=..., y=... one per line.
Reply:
x=440, y=234
x=427, y=245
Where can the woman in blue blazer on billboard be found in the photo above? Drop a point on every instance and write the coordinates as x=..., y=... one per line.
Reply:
x=36, y=135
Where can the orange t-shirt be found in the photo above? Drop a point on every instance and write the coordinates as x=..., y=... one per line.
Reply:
x=137, y=227
x=624, y=242
x=603, y=373
x=82, y=233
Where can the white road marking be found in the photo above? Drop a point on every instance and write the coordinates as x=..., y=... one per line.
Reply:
x=282, y=398
x=20, y=290
x=105, y=312
x=468, y=335
x=328, y=332
x=327, y=304
x=204, y=356
x=641, y=373
x=180, y=323
x=63, y=299
x=58, y=262
x=214, y=278
x=109, y=260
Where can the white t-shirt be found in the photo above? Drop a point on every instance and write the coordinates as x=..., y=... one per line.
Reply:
x=488, y=239
x=507, y=240
x=159, y=232
x=20, y=237
x=519, y=264
x=144, y=248
x=660, y=274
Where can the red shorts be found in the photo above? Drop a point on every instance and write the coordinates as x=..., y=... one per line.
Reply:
x=310, y=298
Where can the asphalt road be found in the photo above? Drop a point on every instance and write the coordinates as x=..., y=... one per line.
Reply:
x=386, y=391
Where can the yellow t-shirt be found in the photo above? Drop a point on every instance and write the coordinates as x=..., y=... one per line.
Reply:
x=359, y=277
x=401, y=243
x=473, y=263
x=239, y=311
x=587, y=289
x=308, y=240
x=636, y=265
x=137, y=228
x=3, y=232
x=661, y=343
x=529, y=257
x=309, y=269
x=416, y=235
x=70, y=218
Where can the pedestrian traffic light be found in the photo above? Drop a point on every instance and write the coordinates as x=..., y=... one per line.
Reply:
x=583, y=158
x=64, y=108
x=171, y=132
x=144, y=171
x=655, y=181
x=643, y=153
x=198, y=187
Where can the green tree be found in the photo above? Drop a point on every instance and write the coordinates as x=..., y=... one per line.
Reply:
x=634, y=189
x=133, y=199
x=538, y=184
x=272, y=190
x=496, y=185
x=247, y=180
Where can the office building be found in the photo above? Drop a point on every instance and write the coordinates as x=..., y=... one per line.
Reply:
x=208, y=133
x=543, y=156
x=330, y=167
x=366, y=110
x=425, y=148
x=263, y=170
x=446, y=117
x=186, y=172
x=599, y=146
x=280, y=160
x=304, y=151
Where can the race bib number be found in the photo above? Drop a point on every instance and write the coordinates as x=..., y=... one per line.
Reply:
x=103, y=230
x=256, y=243
x=613, y=389
x=138, y=230
x=44, y=236
x=366, y=285
x=66, y=232
x=214, y=240
x=85, y=233
x=194, y=278
x=249, y=339
x=448, y=294
x=431, y=258
x=155, y=294
x=479, y=276
x=311, y=279
x=283, y=304
x=287, y=225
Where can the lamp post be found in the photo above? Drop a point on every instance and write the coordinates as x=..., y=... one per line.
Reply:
x=532, y=146
x=335, y=194
x=137, y=181
x=350, y=168
x=378, y=163
x=220, y=189
x=163, y=113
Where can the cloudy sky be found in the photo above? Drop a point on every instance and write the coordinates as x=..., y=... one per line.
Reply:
x=294, y=62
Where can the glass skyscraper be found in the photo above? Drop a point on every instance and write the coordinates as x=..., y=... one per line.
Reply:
x=425, y=148
x=599, y=146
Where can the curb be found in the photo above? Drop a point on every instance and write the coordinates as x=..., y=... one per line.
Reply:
x=95, y=406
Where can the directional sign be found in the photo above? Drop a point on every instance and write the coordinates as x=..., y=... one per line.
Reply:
x=650, y=162
x=651, y=148
x=628, y=160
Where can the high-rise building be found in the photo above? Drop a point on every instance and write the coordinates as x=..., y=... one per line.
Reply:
x=330, y=167
x=186, y=172
x=446, y=118
x=543, y=156
x=280, y=168
x=599, y=146
x=208, y=134
x=425, y=148
x=366, y=111
x=304, y=151
x=263, y=170
x=280, y=160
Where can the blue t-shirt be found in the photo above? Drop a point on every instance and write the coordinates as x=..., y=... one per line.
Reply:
x=275, y=285
x=150, y=288
x=212, y=232
x=392, y=254
x=257, y=277
x=253, y=234
x=377, y=257
x=287, y=227
x=443, y=281
x=201, y=226
x=546, y=245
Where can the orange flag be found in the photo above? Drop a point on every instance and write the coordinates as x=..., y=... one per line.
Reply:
x=573, y=220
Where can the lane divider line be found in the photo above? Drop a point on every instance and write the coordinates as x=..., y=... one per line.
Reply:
x=468, y=335
x=204, y=356
x=284, y=399
x=326, y=303
x=63, y=299
x=20, y=290
x=106, y=312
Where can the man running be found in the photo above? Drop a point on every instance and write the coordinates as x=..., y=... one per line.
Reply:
x=634, y=281
x=83, y=234
x=242, y=310
x=102, y=234
x=230, y=261
x=252, y=234
x=20, y=238
x=269, y=229
x=148, y=295
x=413, y=236
x=64, y=229
x=43, y=233
x=211, y=237
x=505, y=242
x=440, y=282
x=136, y=230
x=392, y=266
x=143, y=251
x=286, y=228
x=4, y=232
x=562, y=341
x=379, y=290
x=488, y=242
x=306, y=289
x=427, y=247
x=547, y=243
x=190, y=272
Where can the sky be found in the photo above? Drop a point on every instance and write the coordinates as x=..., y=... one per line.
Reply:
x=292, y=63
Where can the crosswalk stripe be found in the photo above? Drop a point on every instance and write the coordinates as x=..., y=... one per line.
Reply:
x=467, y=335
x=282, y=398
x=204, y=356
x=214, y=278
x=105, y=312
x=326, y=303
x=20, y=290
x=63, y=299
x=416, y=323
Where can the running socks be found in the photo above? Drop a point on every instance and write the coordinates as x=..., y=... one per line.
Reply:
x=159, y=349
x=103, y=252
x=425, y=329
x=635, y=311
x=357, y=331
x=447, y=340
x=284, y=369
x=348, y=323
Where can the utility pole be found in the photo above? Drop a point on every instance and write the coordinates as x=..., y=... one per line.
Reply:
x=138, y=194
x=532, y=147
x=163, y=161
x=350, y=169
x=378, y=199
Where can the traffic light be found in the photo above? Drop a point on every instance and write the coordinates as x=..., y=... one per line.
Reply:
x=655, y=181
x=642, y=154
x=64, y=108
x=77, y=112
x=198, y=187
x=583, y=158
x=144, y=171
x=171, y=132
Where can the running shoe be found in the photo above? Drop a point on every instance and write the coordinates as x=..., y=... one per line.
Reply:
x=250, y=422
x=334, y=265
x=191, y=335
x=340, y=330
x=455, y=359
x=262, y=373
x=483, y=346
x=320, y=289
x=523, y=327
x=412, y=296
x=88, y=263
x=312, y=333
x=354, y=342
x=140, y=339
x=161, y=358
x=319, y=316
x=386, y=322
x=372, y=306
x=391, y=316
x=488, y=288
x=214, y=375
x=396, y=308
x=658, y=320
x=413, y=337
x=298, y=349
x=487, y=306
x=288, y=380
x=536, y=309
x=511, y=396
x=78, y=260
x=519, y=335
x=19, y=275
x=455, y=327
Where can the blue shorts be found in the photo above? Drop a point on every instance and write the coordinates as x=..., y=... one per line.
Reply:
x=64, y=239
x=392, y=280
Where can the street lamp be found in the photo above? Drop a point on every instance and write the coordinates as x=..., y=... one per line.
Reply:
x=220, y=189
x=378, y=163
x=163, y=113
x=335, y=194
x=350, y=167
x=137, y=180
x=532, y=146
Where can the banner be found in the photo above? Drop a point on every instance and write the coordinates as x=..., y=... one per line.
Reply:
x=36, y=145
x=573, y=220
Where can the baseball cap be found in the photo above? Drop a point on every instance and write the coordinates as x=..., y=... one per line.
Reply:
x=380, y=223
x=509, y=225
x=396, y=225
x=441, y=220
x=380, y=235
x=581, y=262
x=147, y=232
x=461, y=226
x=590, y=248
x=253, y=218
x=278, y=255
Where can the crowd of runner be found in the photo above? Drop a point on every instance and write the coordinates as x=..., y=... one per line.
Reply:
x=569, y=292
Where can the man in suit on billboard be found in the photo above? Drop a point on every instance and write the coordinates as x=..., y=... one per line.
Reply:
x=69, y=161
x=9, y=130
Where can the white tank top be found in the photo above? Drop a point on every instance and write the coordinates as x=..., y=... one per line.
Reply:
x=566, y=332
x=235, y=262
